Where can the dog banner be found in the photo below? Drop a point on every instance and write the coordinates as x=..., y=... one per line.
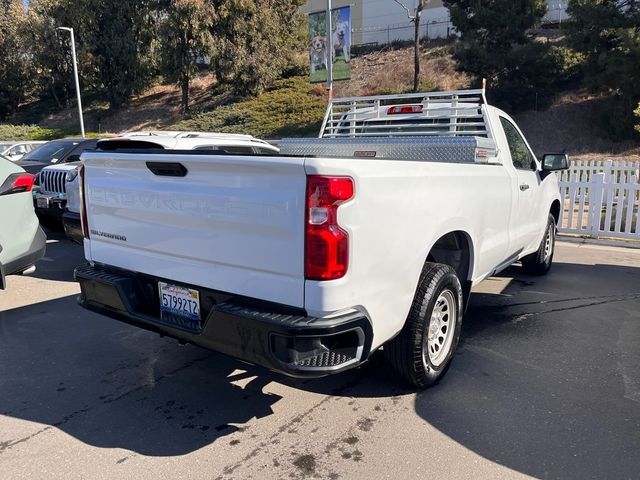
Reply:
x=319, y=53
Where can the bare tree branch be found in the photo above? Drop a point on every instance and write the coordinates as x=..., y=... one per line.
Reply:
x=411, y=17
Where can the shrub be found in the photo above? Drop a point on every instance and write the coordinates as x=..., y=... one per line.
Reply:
x=291, y=107
x=28, y=132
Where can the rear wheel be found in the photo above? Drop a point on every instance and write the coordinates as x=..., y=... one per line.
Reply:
x=421, y=354
x=539, y=263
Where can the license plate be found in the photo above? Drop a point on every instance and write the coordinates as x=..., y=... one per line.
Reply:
x=179, y=306
x=42, y=202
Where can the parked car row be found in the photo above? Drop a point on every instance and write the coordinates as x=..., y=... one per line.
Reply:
x=15, y=151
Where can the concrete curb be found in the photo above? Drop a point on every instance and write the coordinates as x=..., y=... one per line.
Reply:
x=599, y=241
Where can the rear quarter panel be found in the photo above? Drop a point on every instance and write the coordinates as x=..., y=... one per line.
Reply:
x=400, y=209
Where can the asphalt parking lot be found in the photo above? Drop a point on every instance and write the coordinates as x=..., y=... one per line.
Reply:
x=546, y=384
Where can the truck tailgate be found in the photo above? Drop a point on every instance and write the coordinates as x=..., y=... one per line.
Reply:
x=231, y=223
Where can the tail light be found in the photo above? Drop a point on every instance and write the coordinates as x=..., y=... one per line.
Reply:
x=17, y=183
x=326, y=244
x=83, y=203
x=402, y=109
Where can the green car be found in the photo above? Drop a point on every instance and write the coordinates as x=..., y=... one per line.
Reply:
x=22, y=241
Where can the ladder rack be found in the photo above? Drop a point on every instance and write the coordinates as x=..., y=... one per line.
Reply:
x=452, y=113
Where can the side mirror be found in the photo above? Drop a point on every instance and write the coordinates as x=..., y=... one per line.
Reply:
x=72, y=158
x=552, y=162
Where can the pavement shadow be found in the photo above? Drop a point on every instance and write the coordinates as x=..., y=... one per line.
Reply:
x=111, y=385
x=61, y=257
x=546, y=381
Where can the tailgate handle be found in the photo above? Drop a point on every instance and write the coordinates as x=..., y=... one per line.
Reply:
x=167, y=169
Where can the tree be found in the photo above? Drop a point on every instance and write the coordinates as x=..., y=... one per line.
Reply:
x=115, y=43
x=495, y=43
x=15, y=69
x=50, y=49
x=121, y=42
x=415, y=18
x=607, y=33
x=187, y=38
x=256, y=42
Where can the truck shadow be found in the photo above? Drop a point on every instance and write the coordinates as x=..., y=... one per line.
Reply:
x=536, y=385
x=547, y=379
x=110, y=385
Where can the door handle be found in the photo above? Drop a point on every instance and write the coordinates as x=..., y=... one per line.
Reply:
x=524, y=187
x=167, y=169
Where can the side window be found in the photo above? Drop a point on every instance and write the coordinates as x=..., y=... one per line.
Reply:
x=230, y=149
x=520, y=154
x=264, y=151
x=18, y=150
x=237, y=150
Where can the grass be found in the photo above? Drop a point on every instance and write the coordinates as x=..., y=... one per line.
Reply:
x=341, y=71
x=291, y=108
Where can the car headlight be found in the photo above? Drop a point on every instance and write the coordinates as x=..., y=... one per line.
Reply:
x=71, y=175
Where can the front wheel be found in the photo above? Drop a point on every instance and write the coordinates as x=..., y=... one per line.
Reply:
x=539, y=262
x=421, y=354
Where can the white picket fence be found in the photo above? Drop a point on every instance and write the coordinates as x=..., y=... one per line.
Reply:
x=601, y=199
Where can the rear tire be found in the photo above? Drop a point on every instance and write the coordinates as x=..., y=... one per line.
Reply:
x=422, y=353
x=539, y=263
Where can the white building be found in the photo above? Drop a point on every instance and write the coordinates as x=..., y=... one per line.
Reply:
x=383, y=21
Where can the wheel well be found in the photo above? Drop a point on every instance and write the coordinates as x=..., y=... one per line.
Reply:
x=555, y=210
x=454, y=249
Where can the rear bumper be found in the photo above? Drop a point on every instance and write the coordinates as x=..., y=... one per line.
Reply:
x=273, y=336
x=55, y=205
x=34, y=253
x=72, y=226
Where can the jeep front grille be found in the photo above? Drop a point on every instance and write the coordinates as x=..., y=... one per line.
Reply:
x=52, y=181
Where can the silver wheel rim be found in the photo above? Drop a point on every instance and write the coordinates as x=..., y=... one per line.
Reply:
x=548, y=244
x=439, y=334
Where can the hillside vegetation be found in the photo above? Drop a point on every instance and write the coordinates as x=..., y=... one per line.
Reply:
x=229, y=65
x=294, y=107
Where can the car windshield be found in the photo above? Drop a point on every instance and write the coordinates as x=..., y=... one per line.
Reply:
x=47, y=152
x=4, y=146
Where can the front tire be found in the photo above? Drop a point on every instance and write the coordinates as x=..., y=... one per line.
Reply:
x=422, y=353
x=539, y=263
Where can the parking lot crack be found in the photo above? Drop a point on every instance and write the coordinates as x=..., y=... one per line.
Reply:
x=625, y=298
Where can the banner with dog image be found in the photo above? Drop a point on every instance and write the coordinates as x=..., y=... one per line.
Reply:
x=319, y=53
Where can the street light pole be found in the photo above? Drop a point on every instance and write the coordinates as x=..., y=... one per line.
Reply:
x=330, y=56
x=75, y=74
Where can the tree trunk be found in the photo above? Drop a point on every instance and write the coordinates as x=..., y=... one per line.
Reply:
x=52, y=87
x=185, y=95
x=416, y=69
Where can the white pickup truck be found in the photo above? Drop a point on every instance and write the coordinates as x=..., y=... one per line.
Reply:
x=306, y=262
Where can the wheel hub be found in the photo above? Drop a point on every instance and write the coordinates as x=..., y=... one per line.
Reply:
x=440, y=331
